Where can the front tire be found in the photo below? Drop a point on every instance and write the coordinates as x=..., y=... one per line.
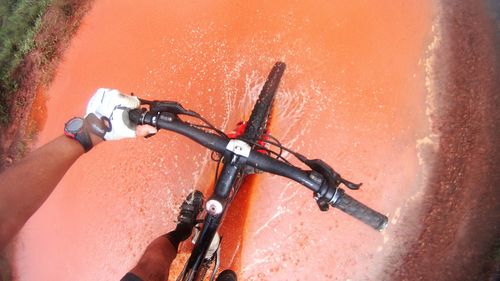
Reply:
x=257, y=123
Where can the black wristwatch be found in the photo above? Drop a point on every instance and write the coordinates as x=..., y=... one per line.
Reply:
x=74, y=129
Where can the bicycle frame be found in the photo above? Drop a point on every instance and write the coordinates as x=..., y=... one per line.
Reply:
x=226, y=188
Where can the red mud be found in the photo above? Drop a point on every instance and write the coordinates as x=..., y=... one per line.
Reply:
x=354, y=94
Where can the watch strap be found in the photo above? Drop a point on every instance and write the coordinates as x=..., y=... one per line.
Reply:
x=80, y=134
x=84, y=139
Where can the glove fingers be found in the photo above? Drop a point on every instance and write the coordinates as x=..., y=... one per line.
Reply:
x=111, y=107
x=105, y=101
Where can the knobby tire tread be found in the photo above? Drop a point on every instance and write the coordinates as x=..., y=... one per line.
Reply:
x=257, y=122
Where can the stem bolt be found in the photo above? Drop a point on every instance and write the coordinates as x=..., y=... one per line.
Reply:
x=214, y=207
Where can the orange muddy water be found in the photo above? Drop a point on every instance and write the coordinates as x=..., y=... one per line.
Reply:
x=354, y=94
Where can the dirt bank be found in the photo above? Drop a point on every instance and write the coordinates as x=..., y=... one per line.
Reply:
x=59, y=24
x=462, y=201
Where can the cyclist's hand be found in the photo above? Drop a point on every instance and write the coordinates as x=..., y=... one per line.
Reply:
x=111, y=109
x=145, y=131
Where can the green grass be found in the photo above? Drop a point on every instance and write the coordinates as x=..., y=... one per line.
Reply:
x=20, y=20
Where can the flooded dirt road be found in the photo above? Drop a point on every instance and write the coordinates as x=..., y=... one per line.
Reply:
x=362, y=92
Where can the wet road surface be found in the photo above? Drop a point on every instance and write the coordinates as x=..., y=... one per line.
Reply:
x=359, y=92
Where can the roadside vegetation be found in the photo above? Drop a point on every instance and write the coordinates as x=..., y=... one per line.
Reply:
x=33, y=37
x=20, y=20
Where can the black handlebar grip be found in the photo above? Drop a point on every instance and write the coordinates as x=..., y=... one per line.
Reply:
x=135, y=116
x=362, y=212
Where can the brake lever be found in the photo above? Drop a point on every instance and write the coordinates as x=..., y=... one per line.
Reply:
x=169, y=106
x=174, y=107
x=333, y=178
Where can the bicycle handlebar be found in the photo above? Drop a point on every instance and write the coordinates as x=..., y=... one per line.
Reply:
x=336, y=197
x=352, y=207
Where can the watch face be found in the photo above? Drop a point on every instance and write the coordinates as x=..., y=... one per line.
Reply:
x=74, y=125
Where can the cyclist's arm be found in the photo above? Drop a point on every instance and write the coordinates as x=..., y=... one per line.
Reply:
x=26, y=185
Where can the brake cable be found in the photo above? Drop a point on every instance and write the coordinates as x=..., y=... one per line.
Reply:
x=330, y=177
x=177, y=109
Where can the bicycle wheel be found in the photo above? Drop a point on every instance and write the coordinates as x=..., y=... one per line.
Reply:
x=262, y=109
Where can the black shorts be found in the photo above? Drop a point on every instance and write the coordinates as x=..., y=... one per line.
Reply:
x=130, y=277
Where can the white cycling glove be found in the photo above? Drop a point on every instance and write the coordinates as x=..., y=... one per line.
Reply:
x=114, y=105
